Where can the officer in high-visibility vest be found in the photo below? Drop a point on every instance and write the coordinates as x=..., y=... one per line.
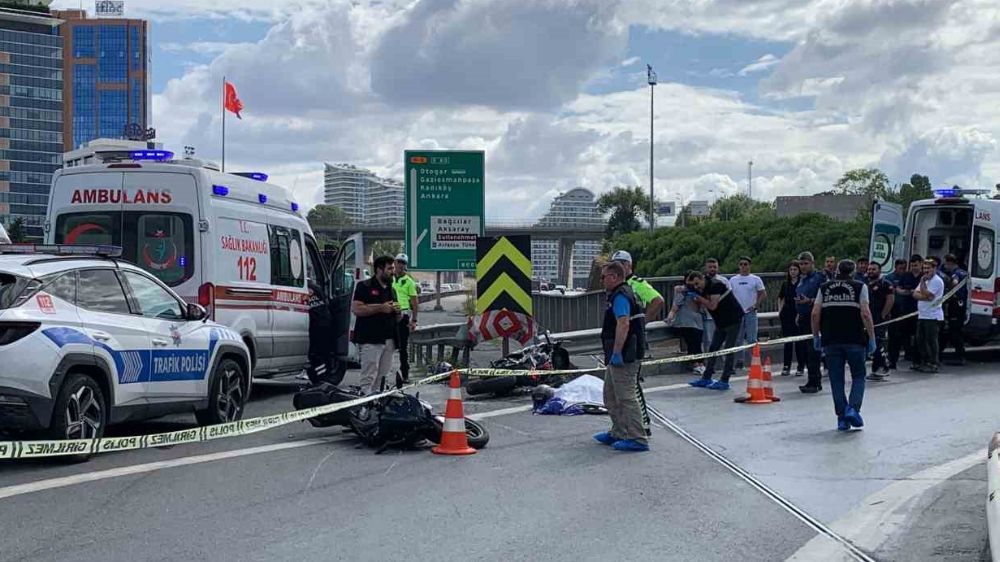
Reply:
x=842, y=328
x=406, y=294
x=649, y=298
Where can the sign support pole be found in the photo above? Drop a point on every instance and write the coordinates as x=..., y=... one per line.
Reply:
x=437, y=305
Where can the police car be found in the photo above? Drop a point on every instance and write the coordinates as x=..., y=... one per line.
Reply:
x=87, y=340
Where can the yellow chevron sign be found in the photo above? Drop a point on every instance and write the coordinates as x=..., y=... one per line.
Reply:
x=503, y=274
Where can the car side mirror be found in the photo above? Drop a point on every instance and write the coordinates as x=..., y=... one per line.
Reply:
x=196, y=312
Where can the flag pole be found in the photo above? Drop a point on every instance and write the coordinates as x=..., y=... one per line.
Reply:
x=223, y=123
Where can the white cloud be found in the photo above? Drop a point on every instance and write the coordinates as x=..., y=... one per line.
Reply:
x=360, y=82
x=202, y=47
x=760, y=65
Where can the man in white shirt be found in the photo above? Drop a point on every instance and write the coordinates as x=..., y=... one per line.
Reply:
x=929, y=316
x=749, y=291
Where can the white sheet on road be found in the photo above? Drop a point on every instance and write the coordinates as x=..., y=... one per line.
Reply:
x=586, y=389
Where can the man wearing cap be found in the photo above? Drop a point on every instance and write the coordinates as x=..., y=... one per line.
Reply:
x=406, y=294
x=649, y=298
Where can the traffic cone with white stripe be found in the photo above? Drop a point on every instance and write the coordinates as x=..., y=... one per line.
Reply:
x=453, y=437
x=768, y=387
x=755, y=382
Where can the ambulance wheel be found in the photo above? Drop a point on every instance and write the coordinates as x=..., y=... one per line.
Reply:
x=228, y=395
x=81, y=412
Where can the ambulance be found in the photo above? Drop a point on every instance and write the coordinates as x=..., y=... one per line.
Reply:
x=231, y=242
x=963, y=222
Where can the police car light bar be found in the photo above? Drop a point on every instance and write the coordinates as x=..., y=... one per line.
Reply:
x=104, y=251
x=155, y=155
x=256, y=176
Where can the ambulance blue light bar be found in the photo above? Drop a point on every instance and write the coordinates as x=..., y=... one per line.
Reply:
x=154, y=155
x=256, y=176
x=104, y=251
x=220, y=190
x=948, y=192
x=262, y=198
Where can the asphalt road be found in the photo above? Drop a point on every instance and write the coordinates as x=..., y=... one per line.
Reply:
x=910, y=486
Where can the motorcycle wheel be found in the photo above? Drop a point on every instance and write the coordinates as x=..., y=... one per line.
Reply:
x=476, y=433
x=498, y=386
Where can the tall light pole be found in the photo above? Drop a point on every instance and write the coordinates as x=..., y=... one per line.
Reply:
x=651, y=79
x=750, y=179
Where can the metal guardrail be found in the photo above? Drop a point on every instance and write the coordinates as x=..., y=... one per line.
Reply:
x=578, y=311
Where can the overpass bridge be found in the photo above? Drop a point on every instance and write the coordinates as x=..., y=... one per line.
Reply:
x=565, y=234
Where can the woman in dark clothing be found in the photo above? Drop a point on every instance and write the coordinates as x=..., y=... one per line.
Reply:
x=786, y=306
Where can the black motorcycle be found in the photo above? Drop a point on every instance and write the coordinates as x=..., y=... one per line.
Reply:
x=397, y=420
x=546, y=355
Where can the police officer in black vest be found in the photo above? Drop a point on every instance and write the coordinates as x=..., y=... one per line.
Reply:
x=842, y=328
x=623, y=338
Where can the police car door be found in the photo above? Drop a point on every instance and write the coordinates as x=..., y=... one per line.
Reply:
x=119, y=337
x=180, y=355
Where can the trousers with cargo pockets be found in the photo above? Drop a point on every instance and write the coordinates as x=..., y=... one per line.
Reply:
x=622, y=399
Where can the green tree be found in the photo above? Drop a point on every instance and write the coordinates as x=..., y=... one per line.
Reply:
x=16, y=231
x=919, y=187
x=871, y=182
x=739, y=206
x=626, y=205
x=328, y=216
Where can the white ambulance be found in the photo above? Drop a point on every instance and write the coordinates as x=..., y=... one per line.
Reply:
x=957, y=221
x=232, y=243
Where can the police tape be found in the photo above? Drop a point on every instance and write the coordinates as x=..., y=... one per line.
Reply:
x=66, y=447
x=485, y=373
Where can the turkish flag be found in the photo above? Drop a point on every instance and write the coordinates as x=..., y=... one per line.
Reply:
x=232, y=102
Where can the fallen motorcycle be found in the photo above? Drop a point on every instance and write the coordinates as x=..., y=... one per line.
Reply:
x=397, y=420
x=547, y=355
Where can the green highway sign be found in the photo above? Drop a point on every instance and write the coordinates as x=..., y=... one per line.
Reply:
x=445, y=200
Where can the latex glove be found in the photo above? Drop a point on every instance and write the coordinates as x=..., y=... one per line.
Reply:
x=871, y=346
x=817, y=343
x=616, y=359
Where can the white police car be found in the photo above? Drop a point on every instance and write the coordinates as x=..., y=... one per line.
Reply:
x=87, y=340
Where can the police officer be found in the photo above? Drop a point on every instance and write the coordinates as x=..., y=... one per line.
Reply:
x=954, y=309
x=321, y=361
x=406, y=294
x=805, y=297
x=622, y=336
x=649, y=298
x=842, y=327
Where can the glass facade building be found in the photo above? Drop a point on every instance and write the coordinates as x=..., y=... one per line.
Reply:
x=31, y=115
x=574, y=208
x=107, y=86
x=363, y=196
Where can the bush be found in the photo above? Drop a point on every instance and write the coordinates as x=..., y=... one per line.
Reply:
x=770, y=241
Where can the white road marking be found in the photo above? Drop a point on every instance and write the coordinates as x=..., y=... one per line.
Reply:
x=883, y=513
x=72, y=480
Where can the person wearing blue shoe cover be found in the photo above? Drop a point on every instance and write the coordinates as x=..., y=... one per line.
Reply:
x=622, y=336
x=721, y=303
x=842, y=328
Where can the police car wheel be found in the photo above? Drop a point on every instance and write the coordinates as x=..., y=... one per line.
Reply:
x=80, y=412
x=228, y=395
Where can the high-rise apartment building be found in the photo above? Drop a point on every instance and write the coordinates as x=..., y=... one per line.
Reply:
x=574, y=208
x=31, y=113
x=106, y=86
x=363, y=196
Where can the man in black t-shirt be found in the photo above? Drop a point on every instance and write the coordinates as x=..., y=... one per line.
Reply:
x=727, y=313
x=377, y=313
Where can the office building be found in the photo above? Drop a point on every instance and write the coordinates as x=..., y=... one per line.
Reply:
x=106, y=86
x=573, y=208
x=363, y=196
x=31, y=113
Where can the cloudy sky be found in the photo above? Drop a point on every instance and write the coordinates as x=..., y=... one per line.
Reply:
x=555, y=90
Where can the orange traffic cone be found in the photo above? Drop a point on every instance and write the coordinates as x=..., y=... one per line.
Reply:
x=755, y=382
x=768, y=388
x=453, y=438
